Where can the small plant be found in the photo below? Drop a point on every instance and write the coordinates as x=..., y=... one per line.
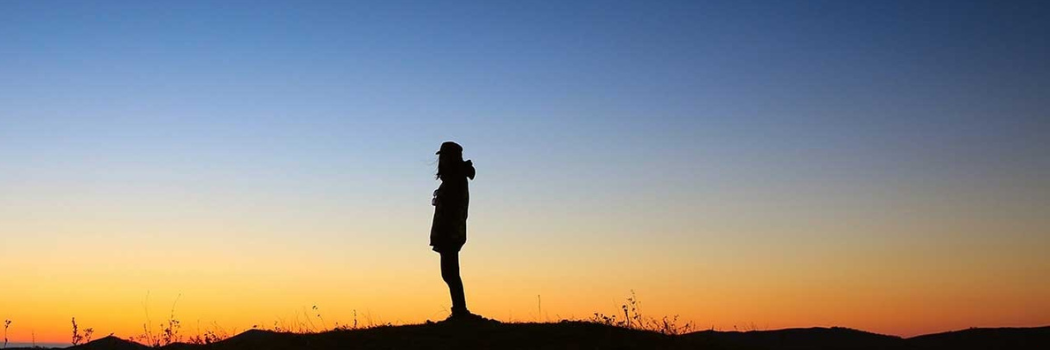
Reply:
x=147, y=337
x=77, y=337
x=634, y=319
x=309, y=325
x=76, y=334
x=168, y=330
x=603, y=319
x=349, y=326
x=209, y=336
x=670, y=326
x=7, y=323
x=539, y=306
x=323, y=324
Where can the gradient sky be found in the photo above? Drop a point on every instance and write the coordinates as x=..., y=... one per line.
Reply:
x=878, y=165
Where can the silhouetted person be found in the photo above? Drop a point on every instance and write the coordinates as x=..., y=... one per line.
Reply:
x=449, y=231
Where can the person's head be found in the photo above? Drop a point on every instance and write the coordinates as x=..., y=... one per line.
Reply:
x=450, y=160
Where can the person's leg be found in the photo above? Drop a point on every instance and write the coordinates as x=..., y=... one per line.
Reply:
x=450, y=273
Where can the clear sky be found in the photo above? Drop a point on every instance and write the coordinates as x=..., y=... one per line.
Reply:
x=878, y=165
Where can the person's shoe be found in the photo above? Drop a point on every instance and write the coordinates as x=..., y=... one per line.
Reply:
x=467, y=317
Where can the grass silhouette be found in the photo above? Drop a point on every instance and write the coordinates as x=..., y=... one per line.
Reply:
x=634, y=319
x=78, y=337
x=169, y=331
x=628, y=329
x=7, y=324
x=589, y=335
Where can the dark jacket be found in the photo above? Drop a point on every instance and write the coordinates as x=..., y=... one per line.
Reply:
x=449, y=230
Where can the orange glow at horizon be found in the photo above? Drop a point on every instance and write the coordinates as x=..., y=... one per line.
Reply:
x=922, y=289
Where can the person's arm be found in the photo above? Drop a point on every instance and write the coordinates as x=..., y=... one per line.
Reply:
x=468, y=169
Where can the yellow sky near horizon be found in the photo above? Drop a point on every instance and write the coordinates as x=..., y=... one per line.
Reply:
x=903, y=286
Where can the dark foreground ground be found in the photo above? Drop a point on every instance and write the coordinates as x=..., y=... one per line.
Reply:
x=580, y=335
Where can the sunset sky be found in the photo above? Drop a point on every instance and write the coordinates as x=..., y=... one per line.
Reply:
x=877, y=165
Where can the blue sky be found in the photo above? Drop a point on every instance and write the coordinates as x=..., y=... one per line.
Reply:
x=589, y=102
x=588, y=95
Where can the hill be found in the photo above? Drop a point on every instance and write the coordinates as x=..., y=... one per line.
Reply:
x=796, y=338
x=985, y=338
x=583, y=335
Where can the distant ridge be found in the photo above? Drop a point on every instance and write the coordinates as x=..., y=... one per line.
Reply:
x=583, y=335
x=985, y=338
x=110, y=343
x=796, y=338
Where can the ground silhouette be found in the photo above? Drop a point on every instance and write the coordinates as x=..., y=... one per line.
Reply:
x=587, y=335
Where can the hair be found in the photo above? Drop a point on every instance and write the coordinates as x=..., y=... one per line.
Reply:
x=450, y=164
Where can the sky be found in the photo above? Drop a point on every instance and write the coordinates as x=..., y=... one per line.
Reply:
x=745, y=165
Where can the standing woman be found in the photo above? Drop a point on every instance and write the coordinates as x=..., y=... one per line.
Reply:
x=449, y=231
